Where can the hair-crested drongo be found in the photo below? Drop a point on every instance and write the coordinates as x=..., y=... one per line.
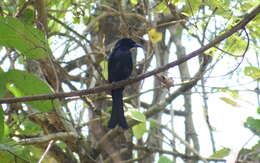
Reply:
x=120, y=67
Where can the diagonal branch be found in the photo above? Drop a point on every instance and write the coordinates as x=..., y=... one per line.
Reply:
x=106, y=87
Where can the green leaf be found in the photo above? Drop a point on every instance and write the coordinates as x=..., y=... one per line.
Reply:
x=235, y=45
x=61, y=144
x=251, y=153
x=164, y=159
x=133, y=2
x=27, y=16
x=137, y=115
x=6, y=130
x=139, y=130
x=233, y=93
x=2, y=84
x=221, y=153
x=33, y=153
x=254, y=27
x=230, y=101
x=258, y=110
x=76, y=20
x=103, y=65
x=162, y=8
x=175, y=2
x=22, y=83
x=253, y=124
x=23, y=37
x=153, y=123
x=11, y=153
x=191, y=7
x=30, y=128
x=86, y=19
x=222, y=7
x=1, y=122
x=253, y=72
x=109, y=109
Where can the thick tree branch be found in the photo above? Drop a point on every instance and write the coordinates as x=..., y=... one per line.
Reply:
x=193, y=54
x=41, y=15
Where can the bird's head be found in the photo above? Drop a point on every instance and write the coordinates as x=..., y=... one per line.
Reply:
x=126, y=44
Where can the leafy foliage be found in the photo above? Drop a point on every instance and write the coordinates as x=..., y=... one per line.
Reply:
x=134, y=2
x=9, y=152
x=164, y=159
x=103, y=65
x=229, y=101
x=232, y=93
x=2, y=85
x=23, y=37
x=22, y=83
x=247, y=154
x=254, y=125
x=191, y=7
x=139, y=130
x=221, y=153
x=253, y=72
x=137, y=115
x=162, y=8
x=235, y=45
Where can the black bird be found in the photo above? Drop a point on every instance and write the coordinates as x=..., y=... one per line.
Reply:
x=120, y=67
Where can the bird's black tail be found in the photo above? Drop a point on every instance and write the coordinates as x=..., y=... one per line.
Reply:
x=117, y=115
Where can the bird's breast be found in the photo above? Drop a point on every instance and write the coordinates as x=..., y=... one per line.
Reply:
x=120, y=66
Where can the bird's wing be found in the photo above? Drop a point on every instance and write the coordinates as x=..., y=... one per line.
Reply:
x=119, y=65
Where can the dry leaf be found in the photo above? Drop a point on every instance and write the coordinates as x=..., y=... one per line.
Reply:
x=154, y=35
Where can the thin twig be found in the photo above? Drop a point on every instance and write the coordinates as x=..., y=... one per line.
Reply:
x=46, y=151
